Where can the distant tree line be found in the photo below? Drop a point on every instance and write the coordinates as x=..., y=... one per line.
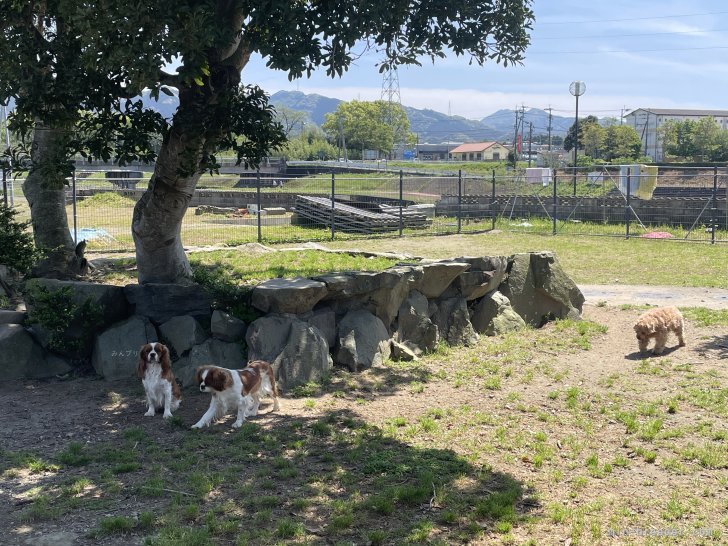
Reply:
x=614, y=143
x=355, y=126
x=701, y=140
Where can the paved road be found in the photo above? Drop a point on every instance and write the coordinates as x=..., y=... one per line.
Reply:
x=712, y=298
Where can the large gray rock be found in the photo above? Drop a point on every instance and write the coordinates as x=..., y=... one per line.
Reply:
x=493, y=315
x=20, y=355
x=484, y=275
x=161, y=302
x=287, y=295
x=211, y=351
x=437, y=276
x=402, y=352
x=54, y=366
x=324, y=320
x=539, y=290
x=453, y=322
x=11, y=317
x=181, y=333
x=110, y=299
x=380, y=292
x=218, y=353
x=227, y=327
x=363, y=341
x=184, y=372
x=298, y=351
x=415, y=330
x=116, y=350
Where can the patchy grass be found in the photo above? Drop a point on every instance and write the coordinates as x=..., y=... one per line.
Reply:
x=503, y=442
x=706, y=317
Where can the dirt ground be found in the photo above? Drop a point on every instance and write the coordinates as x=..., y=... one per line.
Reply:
x=44, y=416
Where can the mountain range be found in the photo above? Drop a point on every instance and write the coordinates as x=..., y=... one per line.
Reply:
x=429, y=126
x=436, y=127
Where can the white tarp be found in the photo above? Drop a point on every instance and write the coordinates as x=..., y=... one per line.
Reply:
x=642, y=180
x=539, y=175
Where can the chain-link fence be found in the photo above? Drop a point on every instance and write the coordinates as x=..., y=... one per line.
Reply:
x=680, y=203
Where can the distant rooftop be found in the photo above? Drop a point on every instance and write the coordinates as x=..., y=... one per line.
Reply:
x=472, y=147
x=682, y=112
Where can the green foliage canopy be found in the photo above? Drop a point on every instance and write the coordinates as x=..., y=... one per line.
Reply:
x=694, y=140
x=374, y=125
x=68, y=62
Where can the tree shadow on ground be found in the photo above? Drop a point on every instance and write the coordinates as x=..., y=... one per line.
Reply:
x=326, y=478
x=718, y=344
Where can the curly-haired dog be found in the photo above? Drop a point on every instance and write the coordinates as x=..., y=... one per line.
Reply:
x=657, y=324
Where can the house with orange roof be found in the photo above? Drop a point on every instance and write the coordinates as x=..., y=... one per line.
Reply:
x=479, y=151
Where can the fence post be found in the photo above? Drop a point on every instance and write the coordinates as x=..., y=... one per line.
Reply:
x=333, y=209
x=555, y=204
x=260, y=228
x=714, y=211
x=5, y=187
x=460, y=199
x=73, y=199
x=492, y=203
x=627, y=206
x=401, y=219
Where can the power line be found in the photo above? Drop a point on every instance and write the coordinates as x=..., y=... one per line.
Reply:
x=627, y=35
x=625, y=50
x=631, y=18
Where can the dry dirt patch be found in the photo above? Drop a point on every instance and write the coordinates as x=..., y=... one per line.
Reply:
x=613, y=447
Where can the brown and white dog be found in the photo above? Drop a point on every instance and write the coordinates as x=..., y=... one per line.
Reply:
x=155, y=369
x=657, y=324
x=236, y=390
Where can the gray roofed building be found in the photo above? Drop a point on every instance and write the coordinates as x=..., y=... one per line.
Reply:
x=647, y=121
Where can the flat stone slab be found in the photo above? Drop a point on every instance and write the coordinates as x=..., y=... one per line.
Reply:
x=11, y=317
x=297, y=295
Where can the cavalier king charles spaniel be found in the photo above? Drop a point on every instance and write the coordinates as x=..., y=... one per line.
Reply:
x=155, y=369
x=233, y=390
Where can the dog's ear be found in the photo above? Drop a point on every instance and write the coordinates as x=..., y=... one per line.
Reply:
x=164, y=357
x=142, y=362
x=198, y=375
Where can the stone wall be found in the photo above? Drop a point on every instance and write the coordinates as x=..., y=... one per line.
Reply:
x=308, y=325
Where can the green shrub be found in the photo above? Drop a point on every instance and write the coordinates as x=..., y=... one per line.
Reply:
x=61, y=316
x=16, y=243
x=106, y=199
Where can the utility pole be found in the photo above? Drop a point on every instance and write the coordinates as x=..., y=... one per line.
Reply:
x=530, y=134
x=515, y=140
x=523, y=117
x=343, y=139
x=549, y=129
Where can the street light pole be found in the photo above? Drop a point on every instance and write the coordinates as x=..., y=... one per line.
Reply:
x=576, y=88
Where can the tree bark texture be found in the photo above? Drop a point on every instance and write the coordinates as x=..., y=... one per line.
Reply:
x=158, y=215
x=44, y=188
x=195, y=130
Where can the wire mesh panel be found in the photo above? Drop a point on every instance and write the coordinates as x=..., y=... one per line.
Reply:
x=675, y=202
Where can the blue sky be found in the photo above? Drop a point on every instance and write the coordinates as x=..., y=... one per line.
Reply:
x=659, y=54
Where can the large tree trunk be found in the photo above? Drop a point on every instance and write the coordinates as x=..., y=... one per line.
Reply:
x=158, y=215
x=45, y=191
x=157, y=220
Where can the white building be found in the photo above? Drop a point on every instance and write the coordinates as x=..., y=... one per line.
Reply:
x=646, y=122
